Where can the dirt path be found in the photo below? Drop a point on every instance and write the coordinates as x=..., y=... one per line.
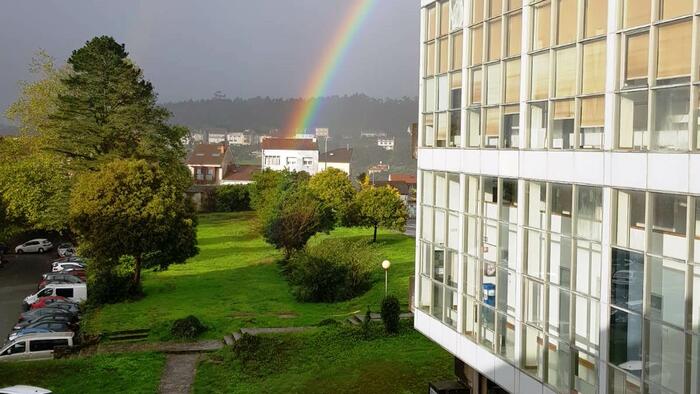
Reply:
x=179, y=373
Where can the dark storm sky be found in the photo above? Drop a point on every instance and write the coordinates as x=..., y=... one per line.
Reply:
x=190, y=49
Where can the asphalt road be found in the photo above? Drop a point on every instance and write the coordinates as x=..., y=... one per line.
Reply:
x=18, y=279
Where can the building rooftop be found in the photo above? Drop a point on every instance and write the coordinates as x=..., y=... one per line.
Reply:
x=403, y=187
x=289, y=144
x=336, y=156
x=207, y=155
x=241, y=173
x=411, y=179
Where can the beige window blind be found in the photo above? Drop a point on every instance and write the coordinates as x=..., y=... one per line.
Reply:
x=593, y=67
x=674, y=50
x=593, y=111
x=495, y=39
x=565, y=80
x=567, y=21
x=515, y=23
x=512, y=80
x=595, y=18
x=637, y=66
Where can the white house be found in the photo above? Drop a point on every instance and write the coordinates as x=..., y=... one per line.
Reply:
x=239, y=138
x=291, y=154
x=339, y=158
x=216, y=137
x=386, y=143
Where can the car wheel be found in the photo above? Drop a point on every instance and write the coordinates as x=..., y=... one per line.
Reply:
x=20, y=251
x=41, y=250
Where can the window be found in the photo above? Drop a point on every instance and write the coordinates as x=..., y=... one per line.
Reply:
x=560, y=218
x=567, y=21
x=455, y=138
x=443, y=55
x=674, y=51
x=636, y=13
x=430, y=59
x=668, y=228
x=442, y=129
x=511, y=126
x=538, y=125
x=565, y=79
x=46, y=344
x=272, y=160
x=17, y=348
x=627, y=281
x=308, y=161
x=674, y=8
x=563, y=125
x=665, y=366
x=625, y=339
x=493, y=83
x=595, y=18
x=476, y=87
x=68, y=293
x=494, y=51
x=456, y=90
x=444, y=17
x=633, y=118
x=532, y=360
x=474, y=127
x=429, y=102
x=428, y=130
x=291, y=161
x=593, y=80
x=515, y=22
x=542, y=17
x=443, y=93
x=512, y=81
x=431, y=23
x=457, y=51
x=478, y=11
x=477, y=45
x=636, y=59
x=672, y=114
x=540, y=76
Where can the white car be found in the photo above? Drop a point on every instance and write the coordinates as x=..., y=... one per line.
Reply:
x=34, y=246
x=65, y=250
x=24, y=390
x=58, y=266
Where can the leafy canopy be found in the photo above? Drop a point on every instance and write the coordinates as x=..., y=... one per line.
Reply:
x=381, y=207
x=134, y=208
x=335, y=189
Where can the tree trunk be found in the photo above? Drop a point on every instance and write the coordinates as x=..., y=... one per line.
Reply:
x=375, y=233
x=137, y=270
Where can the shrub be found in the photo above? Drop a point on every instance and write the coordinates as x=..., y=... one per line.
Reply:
x=262, y=355
x=112, y=287
x=391, y=311
x=232, y=198
x=331, y=271
x=187, y=328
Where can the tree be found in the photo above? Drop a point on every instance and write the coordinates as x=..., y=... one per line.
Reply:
x=335, y=189
x=381, y=206
x=132, y=208
x=297, y=216
x=108, y=111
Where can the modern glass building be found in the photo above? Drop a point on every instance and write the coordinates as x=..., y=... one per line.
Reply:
x=558, y=245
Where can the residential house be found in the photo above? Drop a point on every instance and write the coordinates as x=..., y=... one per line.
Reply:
x=209, y=162
x=239, y=138
x=386, y=143
x=338, y=158
x=239, y=174
x=216, y=137
x=291, y=154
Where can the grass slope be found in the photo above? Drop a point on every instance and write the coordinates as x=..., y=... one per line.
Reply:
x=235, y=282
x=330, y=360
x=107, y=373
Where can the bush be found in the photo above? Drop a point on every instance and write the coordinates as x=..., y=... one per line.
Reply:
x=391, y=311
x=331, y=271
x=232, y=198
x=112, y=287
x=187, y=328
x=262, y=355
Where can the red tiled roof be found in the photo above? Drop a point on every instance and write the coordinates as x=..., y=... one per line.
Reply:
x=403, y=187
x=408, y=178
x=206, y=155
x=336, y=156
x=289, y=144
x=241, y=173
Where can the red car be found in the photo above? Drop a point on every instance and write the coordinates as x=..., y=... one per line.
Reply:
x=76, y=272
x=43, y=301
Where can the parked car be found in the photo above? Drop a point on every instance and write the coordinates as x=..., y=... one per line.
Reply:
x=40, y=245
x=80, y=273
x=64, y=306
x=42, y=327
x=21, y=389
x=76, y=292
x=58, y=278
x=39, y=346
x=44, y=301
x=35, y=314
x=69, y=319
x=60, y=266
x=65, y=250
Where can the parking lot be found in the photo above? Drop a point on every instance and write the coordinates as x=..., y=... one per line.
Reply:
x=18, y=279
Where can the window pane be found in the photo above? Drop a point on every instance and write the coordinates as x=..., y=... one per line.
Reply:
x=442, y=129
x=473, y=236
x=430, y=59
x=508, y=246
x=533, y=352
x=429, y=91
x=473, y=195
x=457, y=15
x=623, y=383
x=672, y=114
x=667, y=294
x=593, y=67
x=565, y=79
x=437, y=304
x=457, y=50
x=627, y=279
x=512, y=81
x=634, y=113
x=567, y=21
x=674, y=8
x=560, y=260
x=428, y=130
x=596, y=18
x=586, y=326
x=478, y=11
x=588, y=268
x=536, y=248
x=511, y=126
x=477, y=45
x=470, y=317
x=476, y=87
x=534, y=303
x=495, y=8
x=509, y=201
x=453, y=187
x=451, y=308
x=585, y=374
x=444, y=17
x=431, y=23
x=495, y=39
x=536, y=193
x=490, y=197
x=493, y=81
x=515, y=22
x=455, y=139
x=563, y=125
x=505, y=294
x=443, y=93
x=444, y=52
x=513, y=4
x=439, y=265
x=560, y=219
x=428, y=188
x=666, y=364
x=439, y=229
x=474, y=127
x=695, y=365
x=589, y=213
x=542, y=17
x=674, y=50
x=456, y=90
x=629, y=224
x=506, y=335
x=493, y=116
x=440, y=190
x=538, y=125
x=625, y=340
x=637, y=63
x=559, y=365
x=540, y=77
x=471, y=279
x=668, y=225
x=636, y=12
x=592, y=122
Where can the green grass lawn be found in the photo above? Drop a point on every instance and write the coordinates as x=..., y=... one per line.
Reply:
x=132, y=373
x=329, y=360
x=235, y=282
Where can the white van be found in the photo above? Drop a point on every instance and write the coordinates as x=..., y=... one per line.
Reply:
x=76, y=292
x=35, y=346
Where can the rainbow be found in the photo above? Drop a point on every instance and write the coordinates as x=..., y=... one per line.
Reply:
x=325, y=71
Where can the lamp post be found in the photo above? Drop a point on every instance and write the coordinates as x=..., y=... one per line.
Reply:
x=386, y=264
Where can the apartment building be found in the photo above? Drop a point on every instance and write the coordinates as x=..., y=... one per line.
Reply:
x=558, y=246
x=291, y=154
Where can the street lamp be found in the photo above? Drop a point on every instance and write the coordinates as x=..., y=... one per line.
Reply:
x=386, y=264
